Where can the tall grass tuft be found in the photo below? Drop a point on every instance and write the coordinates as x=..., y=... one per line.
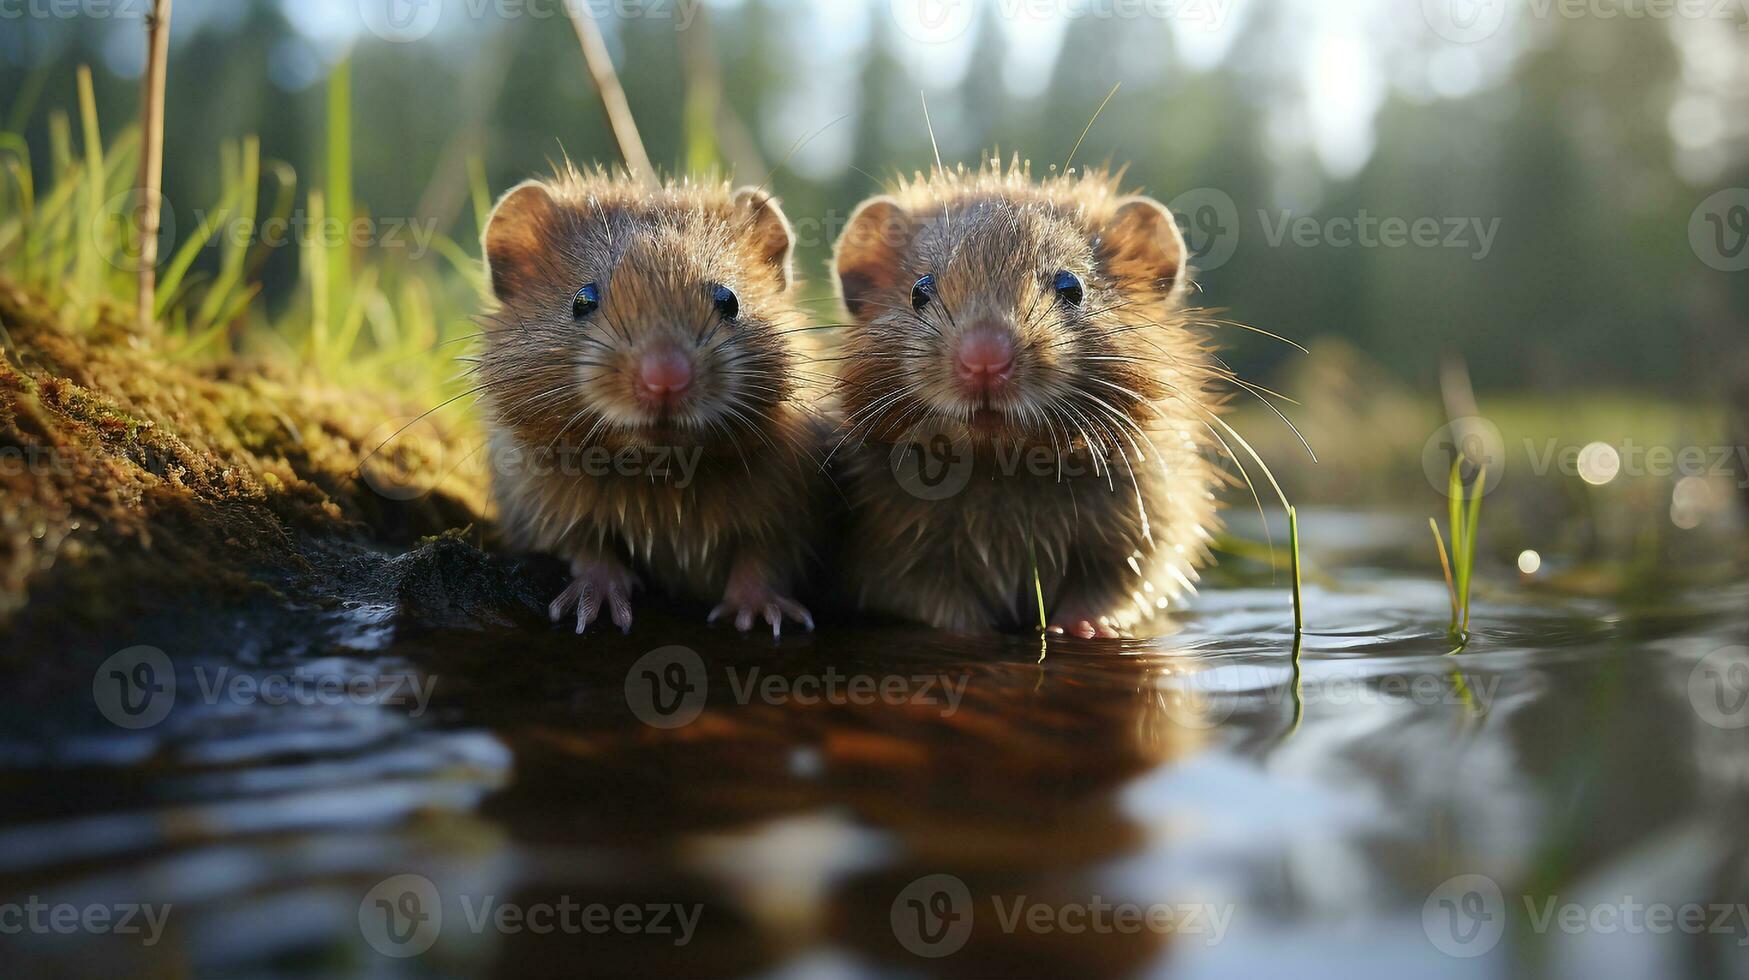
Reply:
x=1459, y=562
x=379, y=318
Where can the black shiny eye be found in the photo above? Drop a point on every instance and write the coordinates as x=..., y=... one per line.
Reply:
x=728, y=307
x=922, y=292
x=585, y=302
x=1068, y=286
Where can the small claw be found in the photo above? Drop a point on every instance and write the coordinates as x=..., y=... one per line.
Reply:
x=621, y=607
x=774, y=616
x=794, y=610
x=589, y=608
x=744, y=620
x=716, y=614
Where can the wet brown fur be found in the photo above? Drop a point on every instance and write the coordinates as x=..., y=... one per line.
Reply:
x=994, y=238
x=552, y=384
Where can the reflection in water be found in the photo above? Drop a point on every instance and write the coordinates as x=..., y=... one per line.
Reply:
x=874, y=802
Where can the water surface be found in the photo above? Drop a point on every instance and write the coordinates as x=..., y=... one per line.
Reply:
x=881, y=801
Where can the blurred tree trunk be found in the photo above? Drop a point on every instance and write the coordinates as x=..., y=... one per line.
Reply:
x=151, y=201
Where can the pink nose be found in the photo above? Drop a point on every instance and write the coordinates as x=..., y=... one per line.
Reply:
x=665, y=374
x=985, y=360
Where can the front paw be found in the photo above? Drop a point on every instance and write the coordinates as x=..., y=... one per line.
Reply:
x=1087, y=625
x=595, y=583
x=749, y=601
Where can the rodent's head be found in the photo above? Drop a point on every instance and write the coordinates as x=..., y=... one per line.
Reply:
x=1017, y=308
x=633, y=312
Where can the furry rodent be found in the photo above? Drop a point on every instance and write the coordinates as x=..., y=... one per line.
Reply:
x=640, y=384
x=1029, y=338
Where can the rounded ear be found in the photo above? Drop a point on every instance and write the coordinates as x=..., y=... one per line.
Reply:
x=769, y=231
x=869, y=257
x=1141, y=245
x=518, y=237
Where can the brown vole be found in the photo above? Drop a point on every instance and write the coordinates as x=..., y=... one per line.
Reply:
x=641, y=394
x=1022, y=390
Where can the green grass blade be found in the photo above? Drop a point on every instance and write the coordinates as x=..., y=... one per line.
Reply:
x=1471, y=523
x=340, y=205
x=93, y=247
x=316, y=269
x=1293, y=530
x=481, y=192
x=1038, y=588
x=169, y=287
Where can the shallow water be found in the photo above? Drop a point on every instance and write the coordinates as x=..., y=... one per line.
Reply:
x=875, y=802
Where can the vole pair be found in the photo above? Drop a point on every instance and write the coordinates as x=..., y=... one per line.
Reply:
x=1019, y=345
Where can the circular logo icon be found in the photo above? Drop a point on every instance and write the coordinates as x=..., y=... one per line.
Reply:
x=1192, y=700
x=403, y=458
x=667, y=687
x=933, y=21
x=932, y=916
x=1465, y=916
x=117, y=229
x=1210, y=222
x=402, y=916
x=1718, y=231
x=1466, y=21
x=1473, y=441
x=933, y=461
x=401, y=21
x=1718, y=687
x=135, y=688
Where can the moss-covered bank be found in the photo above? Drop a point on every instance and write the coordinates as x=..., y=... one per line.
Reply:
x=134, y=485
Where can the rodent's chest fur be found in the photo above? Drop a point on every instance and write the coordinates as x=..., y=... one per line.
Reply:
x=966, y=561
x=680, y=520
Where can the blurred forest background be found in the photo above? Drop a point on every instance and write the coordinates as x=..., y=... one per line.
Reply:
x=1573, y=151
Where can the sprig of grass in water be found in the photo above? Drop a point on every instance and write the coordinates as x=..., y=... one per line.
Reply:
x=1038, y=589
x=1459, y=564
x=1293, y=529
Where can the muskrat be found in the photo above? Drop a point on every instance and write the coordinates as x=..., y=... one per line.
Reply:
x=641, y=385
x=1023, y=394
